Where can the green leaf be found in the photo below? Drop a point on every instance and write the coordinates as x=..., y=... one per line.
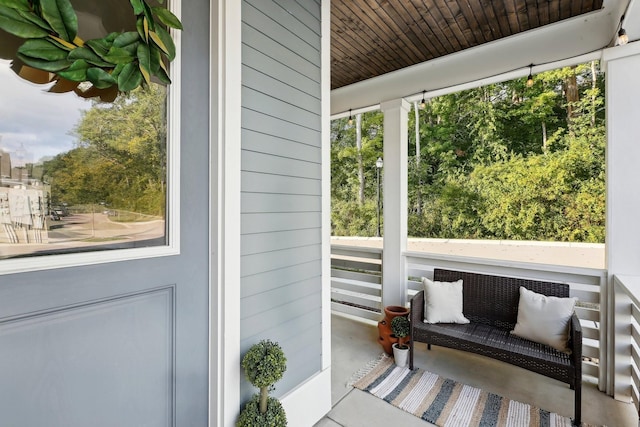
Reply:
x=155, y=56
x=138, y=7
x=42, y=49
x=117, y=55
x=77, y=72
x=126, y=39
x=89, y=56
x=99, y=46
x=111, y=37
x=129, y=78
x=100, y=78
x=62, y=18
x=168, y=42
x=116, y=71
x=35, y=19
x=40, y=64
x=140, y=27
x=13, y=23
x=167, y=18
x=149, y=15
x=162, y=75
x=16, y=4
x=144, y=62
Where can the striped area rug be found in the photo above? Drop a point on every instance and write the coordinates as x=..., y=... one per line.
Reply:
x=447, y=403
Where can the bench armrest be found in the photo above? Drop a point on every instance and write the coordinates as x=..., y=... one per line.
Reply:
x=575, y=341
x=417, y=308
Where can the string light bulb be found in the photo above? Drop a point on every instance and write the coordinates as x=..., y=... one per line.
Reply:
x=623, y=38
x=530, y=77
x=350, y=118
x=423, y=103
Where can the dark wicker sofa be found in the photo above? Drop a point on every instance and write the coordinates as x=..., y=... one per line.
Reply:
x=491, y=304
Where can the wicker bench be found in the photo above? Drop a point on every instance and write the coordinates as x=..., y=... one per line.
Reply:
x=491, y=304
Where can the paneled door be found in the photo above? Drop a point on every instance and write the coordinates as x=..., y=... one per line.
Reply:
x=121, y=342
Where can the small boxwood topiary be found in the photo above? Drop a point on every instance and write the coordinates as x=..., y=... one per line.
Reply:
x=264, y=364
x=401, y=329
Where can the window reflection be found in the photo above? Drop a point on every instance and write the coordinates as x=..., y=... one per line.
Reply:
x=80, y=175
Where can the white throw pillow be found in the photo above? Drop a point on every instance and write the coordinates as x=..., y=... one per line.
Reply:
x=544, y=319
x=443, y=302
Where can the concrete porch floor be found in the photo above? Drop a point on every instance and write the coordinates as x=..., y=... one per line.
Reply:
x=354, y=343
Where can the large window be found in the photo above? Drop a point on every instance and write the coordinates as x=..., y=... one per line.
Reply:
x=78, y=174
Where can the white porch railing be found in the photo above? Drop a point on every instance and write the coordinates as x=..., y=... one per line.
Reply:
x=626, y=341
x=356, y=281
x=357, y=290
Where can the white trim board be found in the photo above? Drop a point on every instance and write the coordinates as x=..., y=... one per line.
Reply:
x=309, y=402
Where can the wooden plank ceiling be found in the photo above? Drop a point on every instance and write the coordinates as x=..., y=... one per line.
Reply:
x=374, y=37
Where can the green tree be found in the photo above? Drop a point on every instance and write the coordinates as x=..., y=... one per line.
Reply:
x=504, y=161
x=120, y=156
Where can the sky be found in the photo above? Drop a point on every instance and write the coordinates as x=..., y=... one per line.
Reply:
x=31, y=116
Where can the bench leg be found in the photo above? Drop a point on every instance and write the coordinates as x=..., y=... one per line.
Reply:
x=428, y=346
x=411, y=353
x=577, y=421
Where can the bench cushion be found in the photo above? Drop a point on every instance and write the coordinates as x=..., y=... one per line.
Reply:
x=443, y=302
x=544, y=319
x=498, y=344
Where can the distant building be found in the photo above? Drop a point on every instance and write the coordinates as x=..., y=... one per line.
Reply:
x=5, y=164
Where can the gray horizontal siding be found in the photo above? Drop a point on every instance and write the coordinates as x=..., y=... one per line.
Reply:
x=253, y=161
x=279, y=109
x=265, y=281
x=275, y=87
x=275, y=317
x=307, y=12
x=269, y=261
x=269, y=144
x=280, y=53
x=281, y=184
x=274, y=24
x=261, y=122
x=260, y=202
x=262, y=222
x=254, y=305
x=257, y=60
x=268, y=242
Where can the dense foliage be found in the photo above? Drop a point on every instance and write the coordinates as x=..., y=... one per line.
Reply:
x=275, y=416
x=401, y=329
x=120, y=157
x=503, y=161
x=264, y=363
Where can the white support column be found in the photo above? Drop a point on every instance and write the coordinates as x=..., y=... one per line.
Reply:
x=225, y=133
x=394, y=282
x=623, y=198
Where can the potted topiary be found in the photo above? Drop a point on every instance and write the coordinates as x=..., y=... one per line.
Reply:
x=264, y=364
x=401, y=329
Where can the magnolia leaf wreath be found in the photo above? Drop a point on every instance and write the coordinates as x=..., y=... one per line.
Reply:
x=118, y=62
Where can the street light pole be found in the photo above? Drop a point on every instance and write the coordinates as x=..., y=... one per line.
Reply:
x=378, y=167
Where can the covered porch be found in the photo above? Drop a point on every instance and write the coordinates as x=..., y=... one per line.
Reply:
x=610, y=379
x=354, y=344
x=366, y=280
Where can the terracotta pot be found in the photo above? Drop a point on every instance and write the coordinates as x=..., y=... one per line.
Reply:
x=385, y=336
